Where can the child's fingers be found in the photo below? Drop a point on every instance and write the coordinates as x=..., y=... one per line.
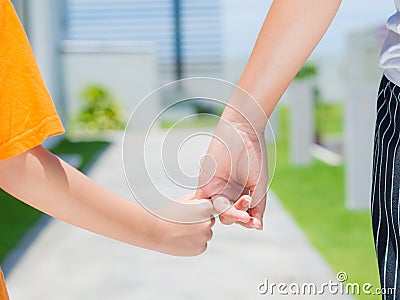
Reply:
x=221, y=204
x=203, y=206
x=187, y=209
x=212, y=220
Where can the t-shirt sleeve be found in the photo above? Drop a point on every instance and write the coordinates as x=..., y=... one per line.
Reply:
x=3, y=289
x=27, y=112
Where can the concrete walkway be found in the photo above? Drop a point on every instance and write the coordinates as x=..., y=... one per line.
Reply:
x=66, y=263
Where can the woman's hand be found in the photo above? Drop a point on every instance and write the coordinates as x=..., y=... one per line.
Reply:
x=235, y=165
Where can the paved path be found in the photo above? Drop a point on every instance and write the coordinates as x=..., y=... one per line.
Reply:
x=66, y=263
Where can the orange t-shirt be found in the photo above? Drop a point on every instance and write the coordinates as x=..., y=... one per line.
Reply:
x=27, y=113
x=3, y=290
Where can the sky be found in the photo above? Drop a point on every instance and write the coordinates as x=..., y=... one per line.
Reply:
x=242, y=21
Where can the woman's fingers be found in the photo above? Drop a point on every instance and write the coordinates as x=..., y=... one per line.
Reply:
x=243, y=203
x=231, y=214
x=259, y=199
x=236, y=213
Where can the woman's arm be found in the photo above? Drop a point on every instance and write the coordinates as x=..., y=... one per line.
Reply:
x=289, y=34
x=47, y=183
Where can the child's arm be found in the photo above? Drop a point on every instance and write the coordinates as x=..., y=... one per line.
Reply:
x=47, y=183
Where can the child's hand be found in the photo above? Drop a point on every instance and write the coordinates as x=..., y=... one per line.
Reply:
x=189, y=238
x=236, y=213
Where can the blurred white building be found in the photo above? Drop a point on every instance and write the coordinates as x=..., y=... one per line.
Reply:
x=181, y=31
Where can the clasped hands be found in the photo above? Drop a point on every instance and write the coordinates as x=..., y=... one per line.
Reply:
x=232, y=184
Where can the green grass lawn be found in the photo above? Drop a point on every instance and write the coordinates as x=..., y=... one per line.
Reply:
x=16, y=217
x=88, y=151
x=329, y=118
x=314, y=196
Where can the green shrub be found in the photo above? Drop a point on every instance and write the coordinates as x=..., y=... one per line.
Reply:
x=309, y=70
x=99, y=110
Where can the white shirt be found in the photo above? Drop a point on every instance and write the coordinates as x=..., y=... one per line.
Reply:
x=390, y=55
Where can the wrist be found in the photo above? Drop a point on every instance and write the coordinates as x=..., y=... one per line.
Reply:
x=156, y=232
x=245, y=119
x=244, y=111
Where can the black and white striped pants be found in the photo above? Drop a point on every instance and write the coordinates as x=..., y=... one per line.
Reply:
x=385, y=187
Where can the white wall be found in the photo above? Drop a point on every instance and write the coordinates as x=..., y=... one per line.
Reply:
x=44, y=27
x=127, y=70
